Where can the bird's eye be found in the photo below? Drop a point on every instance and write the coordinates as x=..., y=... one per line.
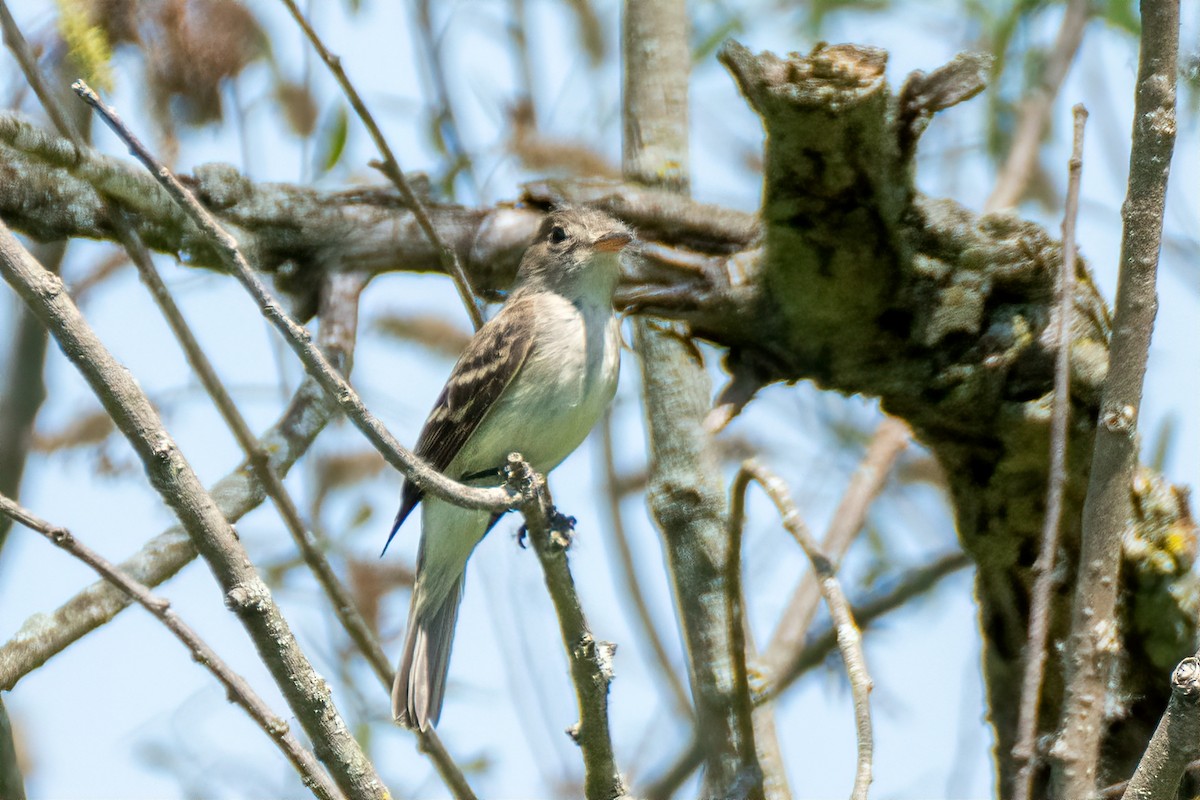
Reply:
x=557, y=234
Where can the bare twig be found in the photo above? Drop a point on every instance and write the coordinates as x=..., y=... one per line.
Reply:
x=812, y=654
x=685, y=493
x=1044, y=567
x=176, y=482
x=324, y=372
x=420, y=473
x=849, y=638
x=238, y=690
x=591, y=659
x=1035, y=110
x=630, y=586
x=1176, y=741
x=1094, y=638
x=890, y=439
x=391, y=168
x=766, y=737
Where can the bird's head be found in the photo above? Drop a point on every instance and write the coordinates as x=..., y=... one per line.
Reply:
x=576, y=251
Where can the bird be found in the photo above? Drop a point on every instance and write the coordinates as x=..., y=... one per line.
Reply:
x=534, y=380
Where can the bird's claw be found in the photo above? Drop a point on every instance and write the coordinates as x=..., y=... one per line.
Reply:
x=561, y=527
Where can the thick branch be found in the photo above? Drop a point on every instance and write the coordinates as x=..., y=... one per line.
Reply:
x=685, y=494
x=1094, y=638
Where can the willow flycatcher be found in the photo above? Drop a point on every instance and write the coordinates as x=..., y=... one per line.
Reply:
x=533, y=380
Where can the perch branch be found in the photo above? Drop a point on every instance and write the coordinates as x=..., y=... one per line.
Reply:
x=590, y=659
x=420, y=473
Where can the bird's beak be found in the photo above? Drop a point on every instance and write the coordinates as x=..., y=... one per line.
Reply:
x=612, y=242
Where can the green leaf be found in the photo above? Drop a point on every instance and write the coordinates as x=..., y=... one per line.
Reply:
x=331, y=142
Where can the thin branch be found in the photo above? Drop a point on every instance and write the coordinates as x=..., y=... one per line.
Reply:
x=24, y=388
x=890, y=439
x=239, y=691
x=1176, y=741
x=1094, y=637
x=1035, y=110
x=849, y=638
x=590, y=659
x=173, y=478
x=420, y=473
x=630, y=586
x=1044, y=568
x=812, y=654
x=391, y=169
x=766, y=736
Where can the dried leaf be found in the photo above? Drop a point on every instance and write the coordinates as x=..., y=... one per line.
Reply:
x=299, y=107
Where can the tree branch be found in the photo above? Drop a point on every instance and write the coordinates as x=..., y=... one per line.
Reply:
x=590, y=659
x=1044, y=568
x=849, y=639
x=1094, y=637
x=235, y=685
x=630, y=586
x=173, y=478
x=685, y=495
x=1176, y=741
x=808, y=655
x=416, y=470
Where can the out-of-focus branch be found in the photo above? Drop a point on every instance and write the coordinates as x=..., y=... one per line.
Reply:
x=1176, y=741
x=1035, y=110
x=235, y=685
x=849, y=639
x=1044, y=567
x=172, y=476
x=23, y=390
x=1094, y=638
x=630, y=586
x=812, y=654
x=590, y=659
x=391, y=168
x=12, y=782
x=685, y=495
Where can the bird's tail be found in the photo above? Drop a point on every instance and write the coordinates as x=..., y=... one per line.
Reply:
x=420, y=684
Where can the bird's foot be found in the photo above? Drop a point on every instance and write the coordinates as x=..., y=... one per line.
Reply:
x=561, y=527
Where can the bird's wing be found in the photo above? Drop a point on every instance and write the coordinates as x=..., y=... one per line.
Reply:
x=493, y=357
